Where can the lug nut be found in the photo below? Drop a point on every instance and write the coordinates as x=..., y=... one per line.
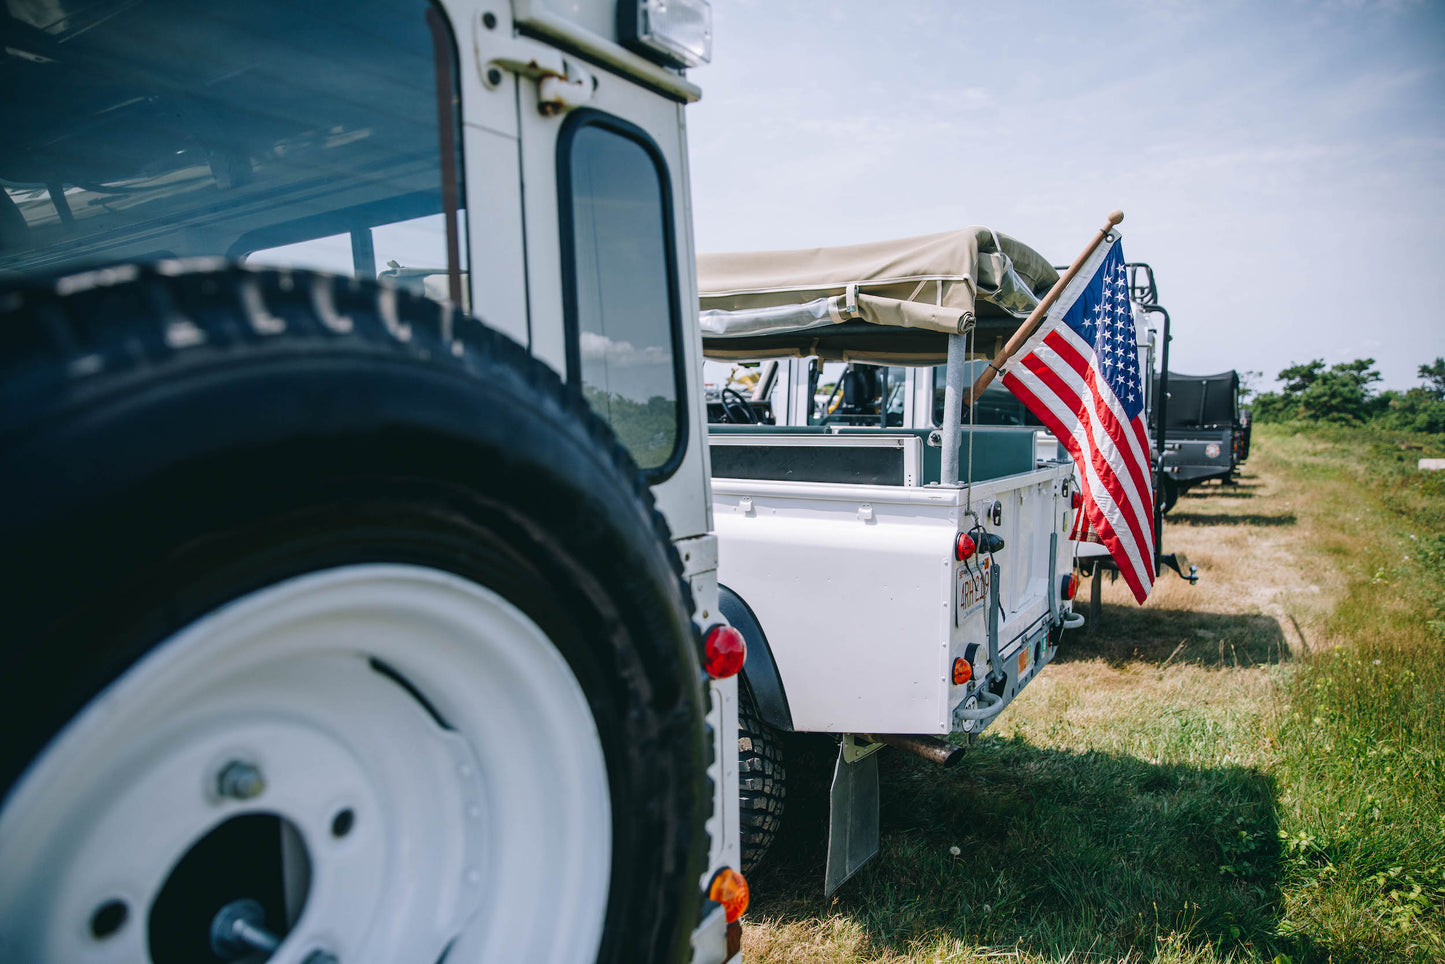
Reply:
x=238, y=930
x=240, y=780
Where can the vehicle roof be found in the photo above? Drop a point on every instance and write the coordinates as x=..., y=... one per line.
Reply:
x=886, y=301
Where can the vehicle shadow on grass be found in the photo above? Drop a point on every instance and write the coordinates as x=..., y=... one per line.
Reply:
x=1057, y=853
x=1241, y=489
x=1182, y=516
x=1130, y=633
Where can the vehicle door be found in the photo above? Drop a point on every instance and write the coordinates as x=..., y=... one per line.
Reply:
x=605, y=282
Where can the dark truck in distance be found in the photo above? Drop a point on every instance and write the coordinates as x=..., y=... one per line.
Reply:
x=1206, y=436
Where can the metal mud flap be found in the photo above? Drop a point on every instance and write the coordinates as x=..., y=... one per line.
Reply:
x=853, y=813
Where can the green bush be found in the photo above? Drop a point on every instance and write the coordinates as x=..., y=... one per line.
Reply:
x=1343, y=394
x=1412, y=411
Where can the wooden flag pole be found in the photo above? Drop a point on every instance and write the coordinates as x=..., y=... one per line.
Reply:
x=1036, y=317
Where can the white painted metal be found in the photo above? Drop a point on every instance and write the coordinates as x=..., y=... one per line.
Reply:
x=492, y=171
x=512, y=169
x=699, y=560
x=493, y=836
x=590, y=29
x=682, y=497
x=863, y=612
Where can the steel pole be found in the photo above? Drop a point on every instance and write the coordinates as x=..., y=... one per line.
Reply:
x=953, y=408
x=1161, y=404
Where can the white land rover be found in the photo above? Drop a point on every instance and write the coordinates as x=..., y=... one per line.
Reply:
x=358, y=584
x=899, y=572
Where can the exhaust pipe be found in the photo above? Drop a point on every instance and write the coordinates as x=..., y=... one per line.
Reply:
x=929, y=748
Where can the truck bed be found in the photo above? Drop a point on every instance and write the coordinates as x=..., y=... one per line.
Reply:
x=856, y=585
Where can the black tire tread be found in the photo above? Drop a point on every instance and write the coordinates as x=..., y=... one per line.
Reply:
x=43, y=331
x=762, y=782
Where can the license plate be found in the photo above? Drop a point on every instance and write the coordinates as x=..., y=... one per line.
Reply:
x=973, y=588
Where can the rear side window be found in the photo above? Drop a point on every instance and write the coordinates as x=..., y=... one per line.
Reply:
x=621, y=285
x=320, y=134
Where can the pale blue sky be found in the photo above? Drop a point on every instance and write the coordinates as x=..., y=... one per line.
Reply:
x=1279, y=164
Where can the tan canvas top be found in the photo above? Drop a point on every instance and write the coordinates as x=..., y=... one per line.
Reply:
x=833, y=301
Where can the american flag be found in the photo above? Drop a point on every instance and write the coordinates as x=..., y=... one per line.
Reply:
x=1080, y=374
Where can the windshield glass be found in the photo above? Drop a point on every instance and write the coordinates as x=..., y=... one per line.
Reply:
x=303, y=133
x=857, y=394
x=996, y=406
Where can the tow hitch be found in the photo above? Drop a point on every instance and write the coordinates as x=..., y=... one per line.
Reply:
x=1180, y=563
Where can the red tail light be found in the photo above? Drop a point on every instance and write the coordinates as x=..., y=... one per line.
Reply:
x=724, y=652
x=962, y=671
x=1069, y=586
x=1076, y=501
x=964, y=547
x=731, y=890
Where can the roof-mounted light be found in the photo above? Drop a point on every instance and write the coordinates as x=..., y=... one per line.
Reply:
x=676, y=33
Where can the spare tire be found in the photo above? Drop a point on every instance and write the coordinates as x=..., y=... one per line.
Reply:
x=327, y=598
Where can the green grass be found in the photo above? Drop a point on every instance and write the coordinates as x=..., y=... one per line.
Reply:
x=1249, y=770
x=1364, y=783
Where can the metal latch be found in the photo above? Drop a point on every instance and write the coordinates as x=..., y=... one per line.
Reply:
x=992, y=511
x=573, y=89
x=561, y=84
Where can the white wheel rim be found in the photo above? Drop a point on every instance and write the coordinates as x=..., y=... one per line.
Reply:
x=493, y=837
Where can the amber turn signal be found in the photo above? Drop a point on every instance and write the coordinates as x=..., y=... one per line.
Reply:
x=731, y=890
x=962, y=671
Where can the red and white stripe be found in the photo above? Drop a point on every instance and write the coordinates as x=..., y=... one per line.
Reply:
x=1059, y=381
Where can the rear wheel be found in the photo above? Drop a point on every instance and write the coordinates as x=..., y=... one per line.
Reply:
x=761, y=781
x=335, y=613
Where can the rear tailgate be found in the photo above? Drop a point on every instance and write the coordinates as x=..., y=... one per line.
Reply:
x=865, y=607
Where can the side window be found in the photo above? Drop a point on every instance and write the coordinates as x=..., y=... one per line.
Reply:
x=620, y=285
x=303, y=135
x=411, y=254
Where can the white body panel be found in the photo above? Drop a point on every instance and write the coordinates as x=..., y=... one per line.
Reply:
x=511, y=163
x=861, y=599
x=528, y=275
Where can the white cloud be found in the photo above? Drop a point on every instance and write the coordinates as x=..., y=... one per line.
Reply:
x=596, y=347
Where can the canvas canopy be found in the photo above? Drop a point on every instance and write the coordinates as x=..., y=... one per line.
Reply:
x=1201, y=401
x=892, y=302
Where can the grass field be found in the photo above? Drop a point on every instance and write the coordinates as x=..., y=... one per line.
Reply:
x=1251, y=769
